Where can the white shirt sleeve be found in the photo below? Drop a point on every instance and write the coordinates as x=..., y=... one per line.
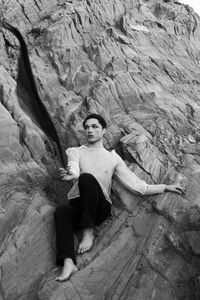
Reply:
x=73, y=161
x=132, y=182
x=127, y=178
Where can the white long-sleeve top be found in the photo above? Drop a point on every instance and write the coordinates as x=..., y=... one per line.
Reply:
x=103, y=164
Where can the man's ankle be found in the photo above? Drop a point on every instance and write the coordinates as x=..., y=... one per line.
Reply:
x=88, y=230
x=68, y=260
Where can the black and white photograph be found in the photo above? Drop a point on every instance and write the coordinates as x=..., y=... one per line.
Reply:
x=99, y=150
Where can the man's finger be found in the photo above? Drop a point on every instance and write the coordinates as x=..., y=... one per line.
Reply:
x=181, y=190
x=63, y=172
x=61, y=169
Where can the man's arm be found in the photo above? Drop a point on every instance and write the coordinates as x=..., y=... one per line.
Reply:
x=135, y=185
x=161, y=188
x=72, y=171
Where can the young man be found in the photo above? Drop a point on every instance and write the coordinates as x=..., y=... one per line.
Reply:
x=91, y=167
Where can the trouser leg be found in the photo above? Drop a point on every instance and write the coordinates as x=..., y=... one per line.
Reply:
x=66, y=218
x=86, y=211
x=94, y=207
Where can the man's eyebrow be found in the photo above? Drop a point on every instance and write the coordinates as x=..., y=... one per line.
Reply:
x=93, y=124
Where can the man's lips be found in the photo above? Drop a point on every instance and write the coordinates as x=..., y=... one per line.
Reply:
x=90, y=136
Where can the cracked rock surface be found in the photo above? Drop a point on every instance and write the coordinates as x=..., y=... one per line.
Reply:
x=136, y=62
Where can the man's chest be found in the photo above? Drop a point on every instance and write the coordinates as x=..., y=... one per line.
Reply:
x=96, y=162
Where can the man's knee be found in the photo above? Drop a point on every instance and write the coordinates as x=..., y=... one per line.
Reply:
x=86, y=178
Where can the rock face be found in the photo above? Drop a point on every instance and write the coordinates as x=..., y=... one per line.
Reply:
x=136, y=63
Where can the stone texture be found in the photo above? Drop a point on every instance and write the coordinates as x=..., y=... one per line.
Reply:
x=137, y=64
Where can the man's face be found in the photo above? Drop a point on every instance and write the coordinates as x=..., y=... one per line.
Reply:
x=94, y=131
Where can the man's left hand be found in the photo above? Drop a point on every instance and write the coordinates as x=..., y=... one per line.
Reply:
x=175, y=188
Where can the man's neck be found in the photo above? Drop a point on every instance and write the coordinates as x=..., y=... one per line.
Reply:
x=98, y=144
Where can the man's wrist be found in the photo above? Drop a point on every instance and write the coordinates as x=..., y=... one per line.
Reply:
x=166, y=188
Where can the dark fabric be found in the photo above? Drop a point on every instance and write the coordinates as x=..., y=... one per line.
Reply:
x=86, y=211
x=28, y=96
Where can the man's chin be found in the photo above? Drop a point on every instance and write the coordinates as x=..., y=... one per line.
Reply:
x=91, y=141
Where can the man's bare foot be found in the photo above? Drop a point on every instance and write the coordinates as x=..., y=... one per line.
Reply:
x=68, y=269
x=87, y=241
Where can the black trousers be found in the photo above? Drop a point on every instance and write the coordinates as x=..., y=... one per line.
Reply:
x=86, y=211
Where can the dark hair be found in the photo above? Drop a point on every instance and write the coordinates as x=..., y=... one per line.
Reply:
x=98, y=117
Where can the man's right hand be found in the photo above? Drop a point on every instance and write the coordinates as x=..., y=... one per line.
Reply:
x=66, y=174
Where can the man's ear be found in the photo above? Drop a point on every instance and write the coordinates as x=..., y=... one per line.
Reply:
x=104, y=131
